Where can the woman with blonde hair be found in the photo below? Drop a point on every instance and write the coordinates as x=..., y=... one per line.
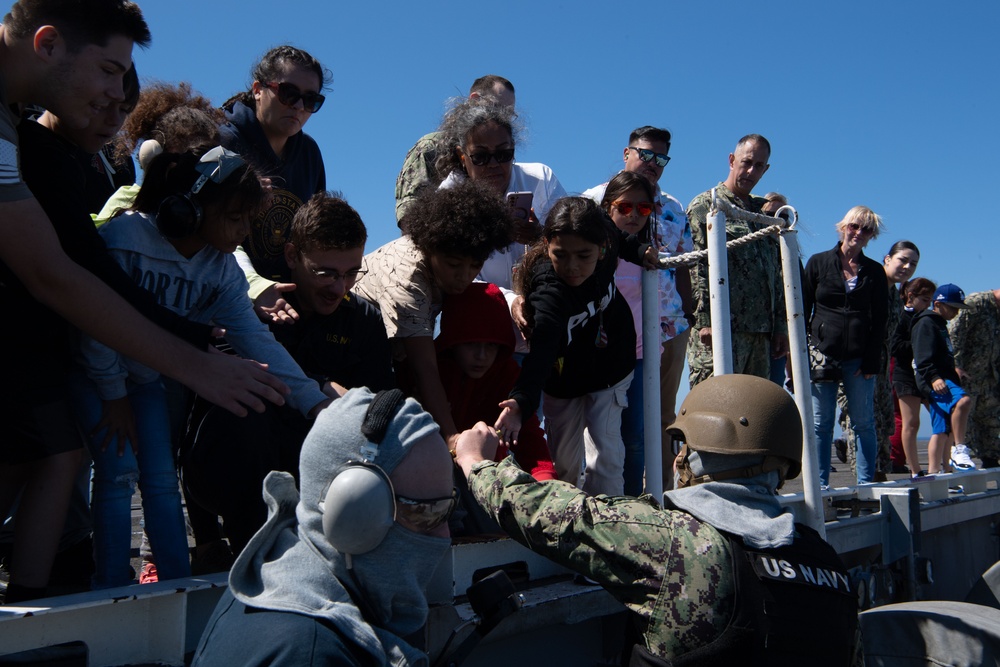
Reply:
x=846, y=305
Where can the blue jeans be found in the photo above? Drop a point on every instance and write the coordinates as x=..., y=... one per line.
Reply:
x=115, y=479
x=860, y=395
x=633, y=435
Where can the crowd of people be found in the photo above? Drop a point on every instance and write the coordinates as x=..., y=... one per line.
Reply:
x=503, y=325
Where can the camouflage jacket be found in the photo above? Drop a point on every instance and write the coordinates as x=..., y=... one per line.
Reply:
x=756, y=292
x=418, y=172
x=667, y=567
x=975, y=337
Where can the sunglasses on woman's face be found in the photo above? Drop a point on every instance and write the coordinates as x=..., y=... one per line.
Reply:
x=855, y=227
x=289, y=95
x=482, y=158
x=424, y=516
x=626, y=207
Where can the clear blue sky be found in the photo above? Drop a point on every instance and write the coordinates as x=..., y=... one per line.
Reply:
x=891, y=105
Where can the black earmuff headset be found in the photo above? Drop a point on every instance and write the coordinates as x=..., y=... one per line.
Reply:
x=180, y=215
x=360, y=505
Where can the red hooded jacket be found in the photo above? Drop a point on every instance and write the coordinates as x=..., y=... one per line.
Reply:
x=480, y=315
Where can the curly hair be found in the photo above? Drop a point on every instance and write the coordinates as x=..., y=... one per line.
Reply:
x=570, y=215
x=468, y=220
x=174, y=115
x=269, y=67
x=459, y=124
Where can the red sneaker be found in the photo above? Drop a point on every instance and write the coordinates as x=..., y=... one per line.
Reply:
x=148, y=574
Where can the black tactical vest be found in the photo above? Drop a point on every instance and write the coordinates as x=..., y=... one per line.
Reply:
x=794, y=606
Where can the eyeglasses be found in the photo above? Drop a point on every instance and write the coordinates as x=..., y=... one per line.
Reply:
x=482, y=158
x=626, y=207
x=425, y=515
x=646, y=155
x=289, y=95
x=331, y=276
x=855, y=227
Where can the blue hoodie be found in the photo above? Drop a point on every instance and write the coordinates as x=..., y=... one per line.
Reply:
x=295, y=177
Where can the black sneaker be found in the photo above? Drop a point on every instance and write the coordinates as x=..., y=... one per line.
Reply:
x=841, y=446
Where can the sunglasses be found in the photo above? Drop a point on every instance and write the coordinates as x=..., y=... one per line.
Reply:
x=646, y=155
x=855, y=227
x=482, y=158
x=626, y=207
x=289, y=95
x=425, y=515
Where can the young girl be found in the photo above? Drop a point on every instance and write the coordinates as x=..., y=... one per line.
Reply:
x=628, y=200
x=917, y=295
x=582, y=343
x=177, y=242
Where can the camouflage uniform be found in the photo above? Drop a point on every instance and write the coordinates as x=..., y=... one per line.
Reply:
x=885, y=411
x=756, y=293
x=672, y=570
x=975, y=336
x=418, y=172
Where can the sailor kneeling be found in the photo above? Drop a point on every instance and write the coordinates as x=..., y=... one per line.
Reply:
x=721, y=574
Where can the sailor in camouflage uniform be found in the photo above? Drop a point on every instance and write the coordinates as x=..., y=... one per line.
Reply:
x=677, y=569
x=756, y=293
x=975, y=336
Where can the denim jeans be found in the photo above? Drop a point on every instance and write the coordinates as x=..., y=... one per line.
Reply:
x=115, y=480
x=860, y=395
x=633, y=435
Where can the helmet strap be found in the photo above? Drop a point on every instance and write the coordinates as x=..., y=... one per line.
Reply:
x=687, y=478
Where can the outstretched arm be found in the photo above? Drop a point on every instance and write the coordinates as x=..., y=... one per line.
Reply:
x=31, y=249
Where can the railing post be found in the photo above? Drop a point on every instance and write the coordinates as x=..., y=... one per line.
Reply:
x=718, y=280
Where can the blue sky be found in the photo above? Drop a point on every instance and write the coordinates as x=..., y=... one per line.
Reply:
x=890, y=105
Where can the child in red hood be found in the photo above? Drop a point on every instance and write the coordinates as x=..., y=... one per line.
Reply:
x=474, y=355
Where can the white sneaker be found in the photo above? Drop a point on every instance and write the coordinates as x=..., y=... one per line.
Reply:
x=960, y=459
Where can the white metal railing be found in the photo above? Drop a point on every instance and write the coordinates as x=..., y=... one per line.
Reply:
x=782, y=226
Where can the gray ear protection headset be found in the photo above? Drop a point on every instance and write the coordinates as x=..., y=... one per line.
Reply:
x=360, y=506
x=180, y=215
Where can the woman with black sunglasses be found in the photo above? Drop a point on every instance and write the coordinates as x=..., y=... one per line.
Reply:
x=846, y=306
x=265, y=125
x=478, y=143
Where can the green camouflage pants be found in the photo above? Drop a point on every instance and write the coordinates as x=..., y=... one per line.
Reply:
x=751, y=356
x=885, y=424
x=984, y=426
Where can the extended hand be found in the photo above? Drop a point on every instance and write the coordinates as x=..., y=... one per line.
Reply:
x=272, y=308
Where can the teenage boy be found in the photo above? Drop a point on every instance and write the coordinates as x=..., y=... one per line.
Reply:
x=934, y=366
x=339, y=338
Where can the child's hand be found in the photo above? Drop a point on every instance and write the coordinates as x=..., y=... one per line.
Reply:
x=117, y=422
x=271, y=307
x=940, y=388
x=651, y=258
x=522, y=317
x=508, y=424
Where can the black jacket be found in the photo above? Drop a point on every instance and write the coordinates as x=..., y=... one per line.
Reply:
x=846, y=325
x=565, y=358
x=932, y=352
x=295, y=177
x=901, y=348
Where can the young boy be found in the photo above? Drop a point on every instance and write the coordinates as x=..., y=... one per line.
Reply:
x=934, y=367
